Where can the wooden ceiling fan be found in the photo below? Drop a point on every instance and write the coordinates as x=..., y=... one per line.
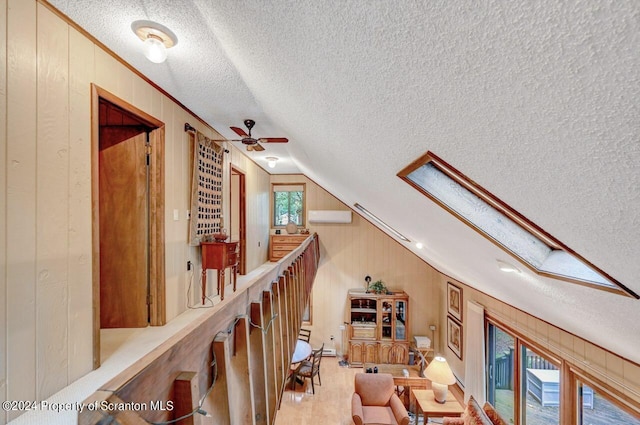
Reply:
x=252, y=143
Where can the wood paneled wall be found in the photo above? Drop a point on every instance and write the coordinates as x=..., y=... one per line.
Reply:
x=3, y=203
x=349, y=253
x=610, y=368
x=46, y=69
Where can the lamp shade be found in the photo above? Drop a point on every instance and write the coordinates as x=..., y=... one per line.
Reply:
x=439, y=372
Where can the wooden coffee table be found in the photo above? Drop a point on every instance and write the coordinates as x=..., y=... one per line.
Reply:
x=429, y=407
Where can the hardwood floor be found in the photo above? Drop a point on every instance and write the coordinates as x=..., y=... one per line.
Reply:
x=330, y=405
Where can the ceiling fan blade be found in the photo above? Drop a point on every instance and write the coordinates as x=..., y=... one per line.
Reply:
x=274, y=140
x=227, y=140
x=257, y=147
x=240, y=132
x=250, y=147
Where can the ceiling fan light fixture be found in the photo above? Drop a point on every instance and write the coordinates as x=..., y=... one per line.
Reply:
x=271, y=161
x=156, y=38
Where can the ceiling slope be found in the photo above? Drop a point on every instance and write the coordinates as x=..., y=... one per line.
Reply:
x=535, y=101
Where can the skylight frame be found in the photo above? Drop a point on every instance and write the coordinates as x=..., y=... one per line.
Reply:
x=515, y=217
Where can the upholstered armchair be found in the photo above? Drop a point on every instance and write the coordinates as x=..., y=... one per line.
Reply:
x=375, y=401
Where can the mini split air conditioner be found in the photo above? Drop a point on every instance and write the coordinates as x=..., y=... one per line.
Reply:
x=329, y=216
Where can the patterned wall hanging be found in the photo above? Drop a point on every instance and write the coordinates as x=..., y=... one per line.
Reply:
x=206, y=190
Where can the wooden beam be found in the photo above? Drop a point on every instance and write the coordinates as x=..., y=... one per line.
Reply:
x=186, y=398
x=239, y=383
x=258, y=364
x=217, y=403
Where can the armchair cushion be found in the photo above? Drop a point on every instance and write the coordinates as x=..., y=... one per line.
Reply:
x=375, y=402
x=493, y=414
x=379, y=415
x=474, y=415
x=375, y=389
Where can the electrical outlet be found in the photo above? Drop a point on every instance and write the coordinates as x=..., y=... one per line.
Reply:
x=432, y=327
x=342, y=327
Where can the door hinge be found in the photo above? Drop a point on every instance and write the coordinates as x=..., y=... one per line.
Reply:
x=149, y=299
x=148, y=150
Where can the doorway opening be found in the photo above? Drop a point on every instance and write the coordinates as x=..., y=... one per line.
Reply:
x=128, y=217
x=239, y=216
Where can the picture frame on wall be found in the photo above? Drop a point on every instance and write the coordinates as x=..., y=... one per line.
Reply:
x=454, y=301
x=454, y=336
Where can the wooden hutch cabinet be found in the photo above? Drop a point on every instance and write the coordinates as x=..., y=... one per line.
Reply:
x=378, y=328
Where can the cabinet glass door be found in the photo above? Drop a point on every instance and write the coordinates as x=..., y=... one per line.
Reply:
x=400, y=320
x=386, y=320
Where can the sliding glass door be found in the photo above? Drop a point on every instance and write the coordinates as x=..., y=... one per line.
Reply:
x=501, y=372
x=540, y=389
x=525, y=385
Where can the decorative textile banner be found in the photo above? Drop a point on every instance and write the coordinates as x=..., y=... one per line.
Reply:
x=206, y=189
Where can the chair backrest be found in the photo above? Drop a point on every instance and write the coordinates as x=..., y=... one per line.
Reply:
x=304, y=335
x=317, y=357
x=375, y=389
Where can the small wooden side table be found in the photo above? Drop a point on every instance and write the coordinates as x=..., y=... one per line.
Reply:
x=429, y=407
x=219, y=255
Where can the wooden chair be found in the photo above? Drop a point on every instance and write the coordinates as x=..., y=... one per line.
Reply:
x=309, y=369
x=304, y=335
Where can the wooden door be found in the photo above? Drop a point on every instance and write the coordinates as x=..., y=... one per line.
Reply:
x=385, y=352
x=399, y=354
x=123, y=232
x=371, y=352
x=238, y=224
x=355, y=353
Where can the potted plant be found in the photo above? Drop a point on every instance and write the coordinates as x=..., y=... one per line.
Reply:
x=378, y=287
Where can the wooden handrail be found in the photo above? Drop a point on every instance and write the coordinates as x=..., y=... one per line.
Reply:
x=242, y=392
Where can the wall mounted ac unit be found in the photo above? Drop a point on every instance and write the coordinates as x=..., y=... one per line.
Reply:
x=329, y=216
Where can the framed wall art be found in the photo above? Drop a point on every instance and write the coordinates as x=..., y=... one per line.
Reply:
x=454, y=336
x=454, y=301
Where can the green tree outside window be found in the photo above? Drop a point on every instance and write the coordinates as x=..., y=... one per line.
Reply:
x=288, y=206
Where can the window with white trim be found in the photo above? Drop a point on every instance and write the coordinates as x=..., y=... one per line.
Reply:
x=288, y=204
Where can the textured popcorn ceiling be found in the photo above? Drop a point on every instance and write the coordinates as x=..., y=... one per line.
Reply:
x=536, y=101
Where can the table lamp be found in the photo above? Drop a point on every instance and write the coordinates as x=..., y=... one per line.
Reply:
x=440, y=375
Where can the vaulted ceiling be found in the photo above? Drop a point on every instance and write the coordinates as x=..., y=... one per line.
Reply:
x=535, y=101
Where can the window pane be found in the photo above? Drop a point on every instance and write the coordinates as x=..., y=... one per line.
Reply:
x=541, y=385
x=288, y=206
x=501, y=372
x=597, y=410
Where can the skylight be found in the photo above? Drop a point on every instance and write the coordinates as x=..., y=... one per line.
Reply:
x=502, y=225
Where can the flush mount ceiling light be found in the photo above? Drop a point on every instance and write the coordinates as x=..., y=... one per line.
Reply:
x=507, y=268
x=271, y=161
x=419, y=245
x=157, y=39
